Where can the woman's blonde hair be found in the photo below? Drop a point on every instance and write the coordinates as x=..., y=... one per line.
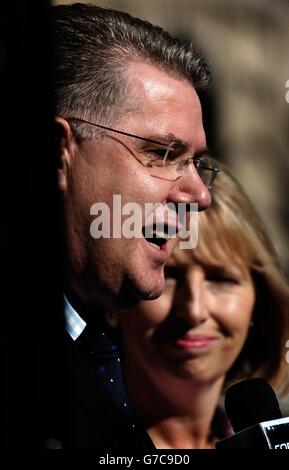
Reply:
x=232, y=230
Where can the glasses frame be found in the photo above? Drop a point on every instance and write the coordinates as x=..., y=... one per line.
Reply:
x=196, y=161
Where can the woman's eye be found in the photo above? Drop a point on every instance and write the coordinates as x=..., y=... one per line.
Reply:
x=222, y=279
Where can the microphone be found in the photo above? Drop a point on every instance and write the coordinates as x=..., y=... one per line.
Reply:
x=254, y=413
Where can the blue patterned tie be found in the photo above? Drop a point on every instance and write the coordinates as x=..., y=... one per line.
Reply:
x=98, y=344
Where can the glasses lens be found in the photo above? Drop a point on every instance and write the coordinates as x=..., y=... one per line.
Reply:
x=207, y=176
x=162, y=165
x=207, y=169
x=164, y=172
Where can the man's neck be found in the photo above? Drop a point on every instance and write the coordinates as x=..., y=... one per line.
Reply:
x=85, y=310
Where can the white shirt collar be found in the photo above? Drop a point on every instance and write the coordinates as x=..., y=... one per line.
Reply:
x=73, y=322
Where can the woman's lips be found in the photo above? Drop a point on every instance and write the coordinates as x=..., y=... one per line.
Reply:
x=186, y=345
x=195, y=342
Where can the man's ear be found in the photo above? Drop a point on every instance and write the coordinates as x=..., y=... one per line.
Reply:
x=65, y=149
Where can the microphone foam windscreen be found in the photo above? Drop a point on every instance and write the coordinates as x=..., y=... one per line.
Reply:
x=250, y=402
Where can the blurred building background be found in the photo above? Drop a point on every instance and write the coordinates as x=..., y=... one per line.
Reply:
x=247, y=44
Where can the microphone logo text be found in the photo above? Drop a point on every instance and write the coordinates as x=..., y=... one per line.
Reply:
x=284, y=445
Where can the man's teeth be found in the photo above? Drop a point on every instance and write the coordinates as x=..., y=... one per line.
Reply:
x=154, y=245
x=159, y=234
x=156, y=236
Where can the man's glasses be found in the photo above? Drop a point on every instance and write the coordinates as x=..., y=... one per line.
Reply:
x=162, y=160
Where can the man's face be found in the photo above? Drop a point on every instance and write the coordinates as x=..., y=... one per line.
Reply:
x=120, y=271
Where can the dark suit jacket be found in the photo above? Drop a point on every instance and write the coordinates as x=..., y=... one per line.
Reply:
x=92, y=419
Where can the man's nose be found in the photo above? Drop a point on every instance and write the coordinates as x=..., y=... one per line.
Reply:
x=195, y=308
x=189, y=188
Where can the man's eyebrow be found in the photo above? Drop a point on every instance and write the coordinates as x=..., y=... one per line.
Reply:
x=201, y=152
x=175, y=142
x=169, y=139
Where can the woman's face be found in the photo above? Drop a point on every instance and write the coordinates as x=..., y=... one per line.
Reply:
x=196, y=329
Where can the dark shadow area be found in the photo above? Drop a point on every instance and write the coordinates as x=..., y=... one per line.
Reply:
x=31, y=330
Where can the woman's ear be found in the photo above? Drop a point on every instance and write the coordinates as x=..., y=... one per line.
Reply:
x=65, y=148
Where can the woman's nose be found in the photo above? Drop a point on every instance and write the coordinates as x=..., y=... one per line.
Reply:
x=194, y=305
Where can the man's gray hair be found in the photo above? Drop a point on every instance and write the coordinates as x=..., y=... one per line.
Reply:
x=92, y=48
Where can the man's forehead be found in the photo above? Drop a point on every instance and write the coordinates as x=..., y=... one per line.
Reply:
x=152, y=82
x=165, y=101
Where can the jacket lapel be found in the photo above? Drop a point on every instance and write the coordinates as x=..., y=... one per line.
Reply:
x=92, y=395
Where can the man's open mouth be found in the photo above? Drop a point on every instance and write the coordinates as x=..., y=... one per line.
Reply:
x=158, y=235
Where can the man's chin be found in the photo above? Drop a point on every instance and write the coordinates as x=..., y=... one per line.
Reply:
x=152, y=291
x=133, y=290
x=154, y=294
